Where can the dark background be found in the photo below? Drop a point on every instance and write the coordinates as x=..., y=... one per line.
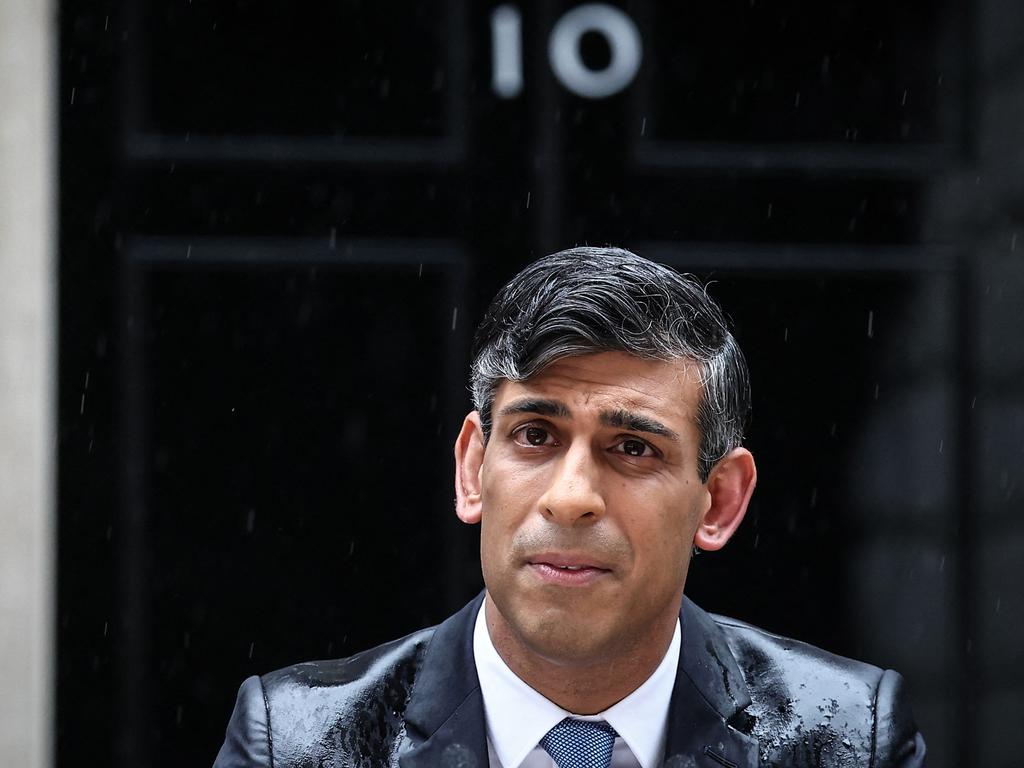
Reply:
x=281, y=221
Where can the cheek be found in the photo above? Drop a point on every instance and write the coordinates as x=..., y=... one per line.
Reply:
x=511, y=491
x=501, y=515
x=669, y=541
x=664, y=533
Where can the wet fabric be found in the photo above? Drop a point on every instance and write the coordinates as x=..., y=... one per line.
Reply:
x=742, y=697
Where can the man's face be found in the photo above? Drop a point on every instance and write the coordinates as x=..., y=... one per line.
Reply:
x=590, y=499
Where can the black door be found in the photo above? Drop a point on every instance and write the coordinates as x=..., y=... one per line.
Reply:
x=280, y=222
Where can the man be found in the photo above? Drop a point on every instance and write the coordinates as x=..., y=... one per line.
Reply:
x=603, y=451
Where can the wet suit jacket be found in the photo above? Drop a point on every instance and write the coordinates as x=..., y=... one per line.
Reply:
x=743, y=698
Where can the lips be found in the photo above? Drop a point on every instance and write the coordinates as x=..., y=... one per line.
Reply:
x=567, y=569
x=571, y=560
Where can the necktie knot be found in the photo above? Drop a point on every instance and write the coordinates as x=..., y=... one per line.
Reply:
x=580, y=743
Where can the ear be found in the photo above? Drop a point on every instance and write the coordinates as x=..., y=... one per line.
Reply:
x=469, y=461
x=730, y=486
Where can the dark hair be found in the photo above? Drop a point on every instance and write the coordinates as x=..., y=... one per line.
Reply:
x=587, y=300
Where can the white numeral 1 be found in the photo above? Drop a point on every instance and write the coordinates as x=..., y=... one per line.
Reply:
x=507, y=56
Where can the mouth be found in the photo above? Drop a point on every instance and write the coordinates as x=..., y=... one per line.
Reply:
x=566, y=569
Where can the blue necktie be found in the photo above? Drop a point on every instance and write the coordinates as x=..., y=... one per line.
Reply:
x=580, y=743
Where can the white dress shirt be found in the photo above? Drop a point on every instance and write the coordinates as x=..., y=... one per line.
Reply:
x=518, y=717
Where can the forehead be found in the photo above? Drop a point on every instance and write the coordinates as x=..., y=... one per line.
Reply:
x=670, y=390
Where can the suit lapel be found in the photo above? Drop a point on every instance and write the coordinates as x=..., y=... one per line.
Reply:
x=445, y=713
x=709, y=691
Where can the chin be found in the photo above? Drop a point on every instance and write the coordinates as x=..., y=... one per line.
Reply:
x=566, y=640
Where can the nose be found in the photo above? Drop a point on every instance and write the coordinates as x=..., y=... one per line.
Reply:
x=574, y=493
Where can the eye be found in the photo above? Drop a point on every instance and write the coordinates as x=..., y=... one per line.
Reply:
x=532, y=435
x=636, y=449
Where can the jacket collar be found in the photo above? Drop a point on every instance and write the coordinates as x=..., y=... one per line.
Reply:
x=445, y=714
x=708, y=699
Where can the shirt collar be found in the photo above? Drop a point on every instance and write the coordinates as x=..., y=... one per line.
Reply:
x=517, y=717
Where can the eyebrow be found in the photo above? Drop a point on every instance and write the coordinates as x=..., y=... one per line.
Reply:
x=620, y=418
x=637, y=423
x=537, y=405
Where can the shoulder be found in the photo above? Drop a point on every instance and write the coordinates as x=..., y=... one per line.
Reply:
x=326, y=713
x=771, y=664
x=385, y=664
x=809, y=706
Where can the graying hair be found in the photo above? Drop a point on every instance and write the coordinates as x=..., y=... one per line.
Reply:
x=587, y=300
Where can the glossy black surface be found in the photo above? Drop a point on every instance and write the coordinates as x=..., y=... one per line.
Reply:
x=742, y=697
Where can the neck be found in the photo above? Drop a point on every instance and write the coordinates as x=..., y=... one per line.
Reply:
x=581, y=686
